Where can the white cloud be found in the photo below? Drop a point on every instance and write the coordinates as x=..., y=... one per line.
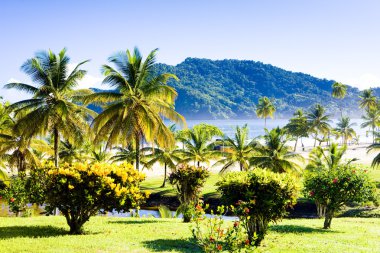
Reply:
x=365, y=81
x=88, y=81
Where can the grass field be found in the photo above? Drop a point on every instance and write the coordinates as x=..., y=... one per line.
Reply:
x=103, y=234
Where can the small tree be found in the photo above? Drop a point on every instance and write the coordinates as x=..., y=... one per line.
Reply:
x=16, y=195
x=259, y=197
x=80, y=191
x=188, y=181
x=336, y=187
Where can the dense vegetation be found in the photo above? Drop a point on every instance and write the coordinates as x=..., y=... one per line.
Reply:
x=231, y=89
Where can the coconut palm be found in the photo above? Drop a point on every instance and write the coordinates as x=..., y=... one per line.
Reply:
x=70, y=153
x=376, y=160
x=164, y=156
x=368, y=100
x=134, y=111
x=52, y=107
x=372, y=120
x=99, y=156
x=239, y=150
x=274, y=154
x=318, y=121
x=198, y=144
x=339, y=91
x=265, y=108
x=6, y=121
x=298, y=127
x=127, y=154
x=345, y=129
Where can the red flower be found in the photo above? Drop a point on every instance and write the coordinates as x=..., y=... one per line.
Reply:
x=212, y=239
x=312, y=193
x=354, y=171
x=219, y=247
x=236, y=224
x=247, y=242
x=1, y=197
x=335, y=180
x=198, y=207
x=246, y=210
x=12, y=200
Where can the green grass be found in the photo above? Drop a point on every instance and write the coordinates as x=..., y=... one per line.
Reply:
x=104, y=234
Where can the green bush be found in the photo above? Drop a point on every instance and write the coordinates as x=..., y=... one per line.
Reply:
x=334, y=188
x=188, y=182
x=259, y=197
x=16, y=195
x=80, y=191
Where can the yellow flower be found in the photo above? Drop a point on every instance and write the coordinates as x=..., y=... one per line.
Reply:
x=71, y=187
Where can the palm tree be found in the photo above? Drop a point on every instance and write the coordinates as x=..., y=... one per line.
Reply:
x=127, y=154
x=327, y=159
x=376, y=160
x=372, y=120
x=339, y=91
x=298, y=127
x=52, y=107
x=274, y=154
x=318, y=121
x=239, y=150
x=198, y=144
x=368, y=100
x=70, y=153
x=165, y=156
x=6, y=121
x=135, y=110
x=344, y=128
x=265, y=108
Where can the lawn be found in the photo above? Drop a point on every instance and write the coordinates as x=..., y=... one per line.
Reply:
x=104, y=234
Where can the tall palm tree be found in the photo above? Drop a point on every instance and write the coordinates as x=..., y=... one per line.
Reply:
x=239, y=150
x=345, y=129
x=376, y=159
x=70, y=153
x=164, y=156
x=6, y=121
x=318, y=121
x=52, y=107
x=298, y=127
x=199, y=147
x=265, y=108
x=134, y=111
x=371, y=119
x=339, y=91
x=368, y=100
x=274, y=154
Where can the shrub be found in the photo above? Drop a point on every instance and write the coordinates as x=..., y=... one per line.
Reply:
x=188, y=181
x=214, y=234
x=80, y=191
x=336, y=187
x=16, y=195
x=259, y=197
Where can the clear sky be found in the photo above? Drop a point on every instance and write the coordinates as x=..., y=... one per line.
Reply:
x=334, y=39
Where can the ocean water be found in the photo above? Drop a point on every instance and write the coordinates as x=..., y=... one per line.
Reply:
x=256, y=127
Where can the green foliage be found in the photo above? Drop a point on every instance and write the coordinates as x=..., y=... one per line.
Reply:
x=188, y=181
x=16, y=194
x=265, y=108
x=344, y=129
x=298, y=126
x=260, y=197
x=80, y=191
x=334, y=188
x=213, y=235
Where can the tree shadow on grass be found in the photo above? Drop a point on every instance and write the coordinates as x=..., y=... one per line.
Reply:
x=298, y=229
x=179, y=245
x=31, y=231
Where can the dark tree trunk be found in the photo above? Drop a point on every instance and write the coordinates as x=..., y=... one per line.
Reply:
x=198, y=164
x=241, y=166
x=163, y=184
x=295, y=145
x=56, y=144
x=328, y=218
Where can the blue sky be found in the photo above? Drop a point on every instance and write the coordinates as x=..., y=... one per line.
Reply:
x=337, y=39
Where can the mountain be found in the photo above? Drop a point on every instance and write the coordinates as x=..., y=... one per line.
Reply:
x=225, y=89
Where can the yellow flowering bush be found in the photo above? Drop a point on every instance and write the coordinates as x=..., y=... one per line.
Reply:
x=81, y=190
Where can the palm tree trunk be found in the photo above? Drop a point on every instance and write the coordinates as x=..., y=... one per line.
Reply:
x=163, y=184
x=241, y=166
x=137, y=140
x=265, y=122
x=295, y=145
x=56, y=144
x=198, y=164
x=373, y=134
